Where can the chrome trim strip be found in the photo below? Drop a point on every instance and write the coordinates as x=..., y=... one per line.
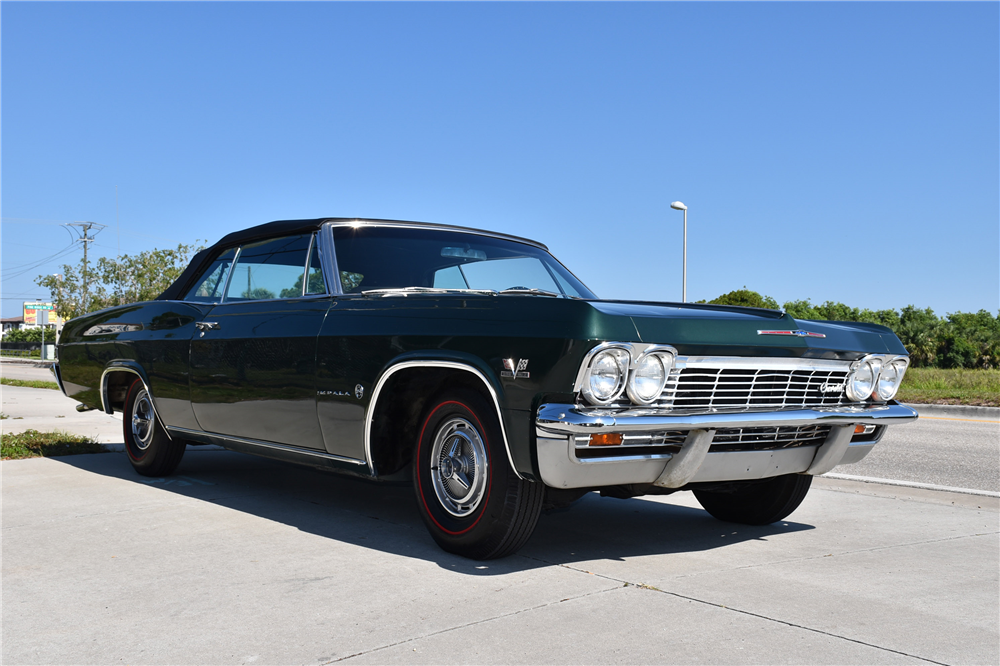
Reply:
x=760, y=363
x=305, y=271
x=563, y=419
x=229, y=275
x=108, y=409
x=328, y=257
x=369, y=414
x=269, y=445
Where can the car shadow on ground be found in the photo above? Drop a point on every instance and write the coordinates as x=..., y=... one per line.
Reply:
x=384, y=516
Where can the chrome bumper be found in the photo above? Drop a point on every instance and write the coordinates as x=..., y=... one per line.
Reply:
x=558, y=425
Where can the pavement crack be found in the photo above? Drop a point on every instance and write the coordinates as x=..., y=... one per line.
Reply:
x=792, y=624
x=651, y=588
x=874, y=549
x=467, y=624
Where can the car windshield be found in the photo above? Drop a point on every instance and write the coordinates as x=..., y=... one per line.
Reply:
x=393, y=258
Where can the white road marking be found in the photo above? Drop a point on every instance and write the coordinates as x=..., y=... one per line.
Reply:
x=912, y=484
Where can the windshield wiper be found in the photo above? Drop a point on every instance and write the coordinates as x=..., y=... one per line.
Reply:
x=526, y=290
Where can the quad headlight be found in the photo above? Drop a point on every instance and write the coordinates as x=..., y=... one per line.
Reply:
x=891, y=377
x=876, y=376
x=606, y=375
x=620, y=368
x=648, y=376
x=861, y=381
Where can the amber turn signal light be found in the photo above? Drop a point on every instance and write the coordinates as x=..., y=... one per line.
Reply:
x=859, y=430
x=606, y=439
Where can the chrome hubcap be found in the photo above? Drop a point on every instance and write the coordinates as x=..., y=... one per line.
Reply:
x=458, y=467
x=142, y=420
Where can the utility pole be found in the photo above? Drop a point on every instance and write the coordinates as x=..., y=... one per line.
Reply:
x=85, y=239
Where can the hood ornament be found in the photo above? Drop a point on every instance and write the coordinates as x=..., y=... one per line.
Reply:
x=799, y=333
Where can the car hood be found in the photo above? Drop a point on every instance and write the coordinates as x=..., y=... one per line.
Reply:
x=697, y=329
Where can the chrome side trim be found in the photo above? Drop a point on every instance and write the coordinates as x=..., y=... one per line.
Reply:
x=454, y=365
x=267, y=445
x=563, y=419
x=106, y=405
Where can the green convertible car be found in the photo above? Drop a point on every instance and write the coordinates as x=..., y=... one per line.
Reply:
x=478, y=365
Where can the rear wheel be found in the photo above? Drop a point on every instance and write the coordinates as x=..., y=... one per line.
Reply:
x=757, y=502
x=150, y=450
x=471, y=500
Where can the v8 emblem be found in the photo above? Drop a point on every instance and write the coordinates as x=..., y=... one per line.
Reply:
x=515, y=368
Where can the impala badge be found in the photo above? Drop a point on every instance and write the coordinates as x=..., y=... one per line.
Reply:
x=515, y=369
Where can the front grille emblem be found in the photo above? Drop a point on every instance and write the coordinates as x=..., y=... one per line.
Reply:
x=798, y=333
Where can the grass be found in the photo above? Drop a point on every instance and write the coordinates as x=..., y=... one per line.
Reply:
x=29, y=383
x=951, y=387
x=34, y=444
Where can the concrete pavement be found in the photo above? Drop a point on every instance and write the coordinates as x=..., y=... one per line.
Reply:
x=242, y=560
x=238, y=560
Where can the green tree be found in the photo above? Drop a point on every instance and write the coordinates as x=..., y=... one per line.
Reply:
x=746, y=298
x=116, y=281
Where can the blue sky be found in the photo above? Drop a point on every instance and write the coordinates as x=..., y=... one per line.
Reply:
x=830, y=151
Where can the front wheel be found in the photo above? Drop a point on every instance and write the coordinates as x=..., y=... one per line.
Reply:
x=471, y=500
x=150, y=450
x=757, y=502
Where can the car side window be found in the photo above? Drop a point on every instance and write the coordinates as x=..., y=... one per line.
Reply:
x=208, y=288
x=270, y=269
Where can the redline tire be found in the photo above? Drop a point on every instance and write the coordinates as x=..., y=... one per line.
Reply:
x=149, y=449
x=757, y=503
x=470, y=499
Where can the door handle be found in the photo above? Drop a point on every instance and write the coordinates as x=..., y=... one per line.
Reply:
x=207, y=326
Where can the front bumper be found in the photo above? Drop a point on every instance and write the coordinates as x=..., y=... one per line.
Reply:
x=559, y=426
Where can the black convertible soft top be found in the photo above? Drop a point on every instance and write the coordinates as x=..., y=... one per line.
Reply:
x=288, y=227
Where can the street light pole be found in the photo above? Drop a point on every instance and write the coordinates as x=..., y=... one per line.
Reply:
x=677, y=205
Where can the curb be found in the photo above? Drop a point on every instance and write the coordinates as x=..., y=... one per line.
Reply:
x=958, y=411
x=13, y=360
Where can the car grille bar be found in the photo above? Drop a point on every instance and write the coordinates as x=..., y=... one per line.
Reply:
x=738, y=388
x=763, y=438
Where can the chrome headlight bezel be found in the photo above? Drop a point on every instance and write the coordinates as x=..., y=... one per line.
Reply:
x=882, y=389
x=661, y=354
x=621, y=355
x=869, y=364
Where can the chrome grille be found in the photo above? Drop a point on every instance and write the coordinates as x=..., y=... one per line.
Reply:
x=763, y=438
x=760, y=438
x=711, y=389
x=706, y=384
